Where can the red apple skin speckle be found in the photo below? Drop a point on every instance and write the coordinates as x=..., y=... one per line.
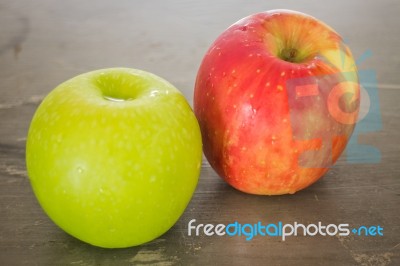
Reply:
x=258, y=134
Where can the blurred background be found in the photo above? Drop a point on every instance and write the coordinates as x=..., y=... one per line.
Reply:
x=43, y=43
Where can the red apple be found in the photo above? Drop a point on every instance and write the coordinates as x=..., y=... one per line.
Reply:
x=277, y=99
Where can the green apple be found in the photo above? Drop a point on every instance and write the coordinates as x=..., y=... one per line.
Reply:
x=114, y=156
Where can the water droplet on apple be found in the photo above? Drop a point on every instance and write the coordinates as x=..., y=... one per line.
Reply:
x=80, y=170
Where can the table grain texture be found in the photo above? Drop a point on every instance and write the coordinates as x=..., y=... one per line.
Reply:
x=43, y=43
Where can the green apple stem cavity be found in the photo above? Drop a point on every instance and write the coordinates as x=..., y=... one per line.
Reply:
x=120, y=87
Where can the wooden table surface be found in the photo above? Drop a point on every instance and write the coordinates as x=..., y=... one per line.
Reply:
x=43, y=43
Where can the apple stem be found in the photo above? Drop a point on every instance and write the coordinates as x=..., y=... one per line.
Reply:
x=289, y=55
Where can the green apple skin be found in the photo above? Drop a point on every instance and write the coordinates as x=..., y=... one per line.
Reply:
x=114, y=156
